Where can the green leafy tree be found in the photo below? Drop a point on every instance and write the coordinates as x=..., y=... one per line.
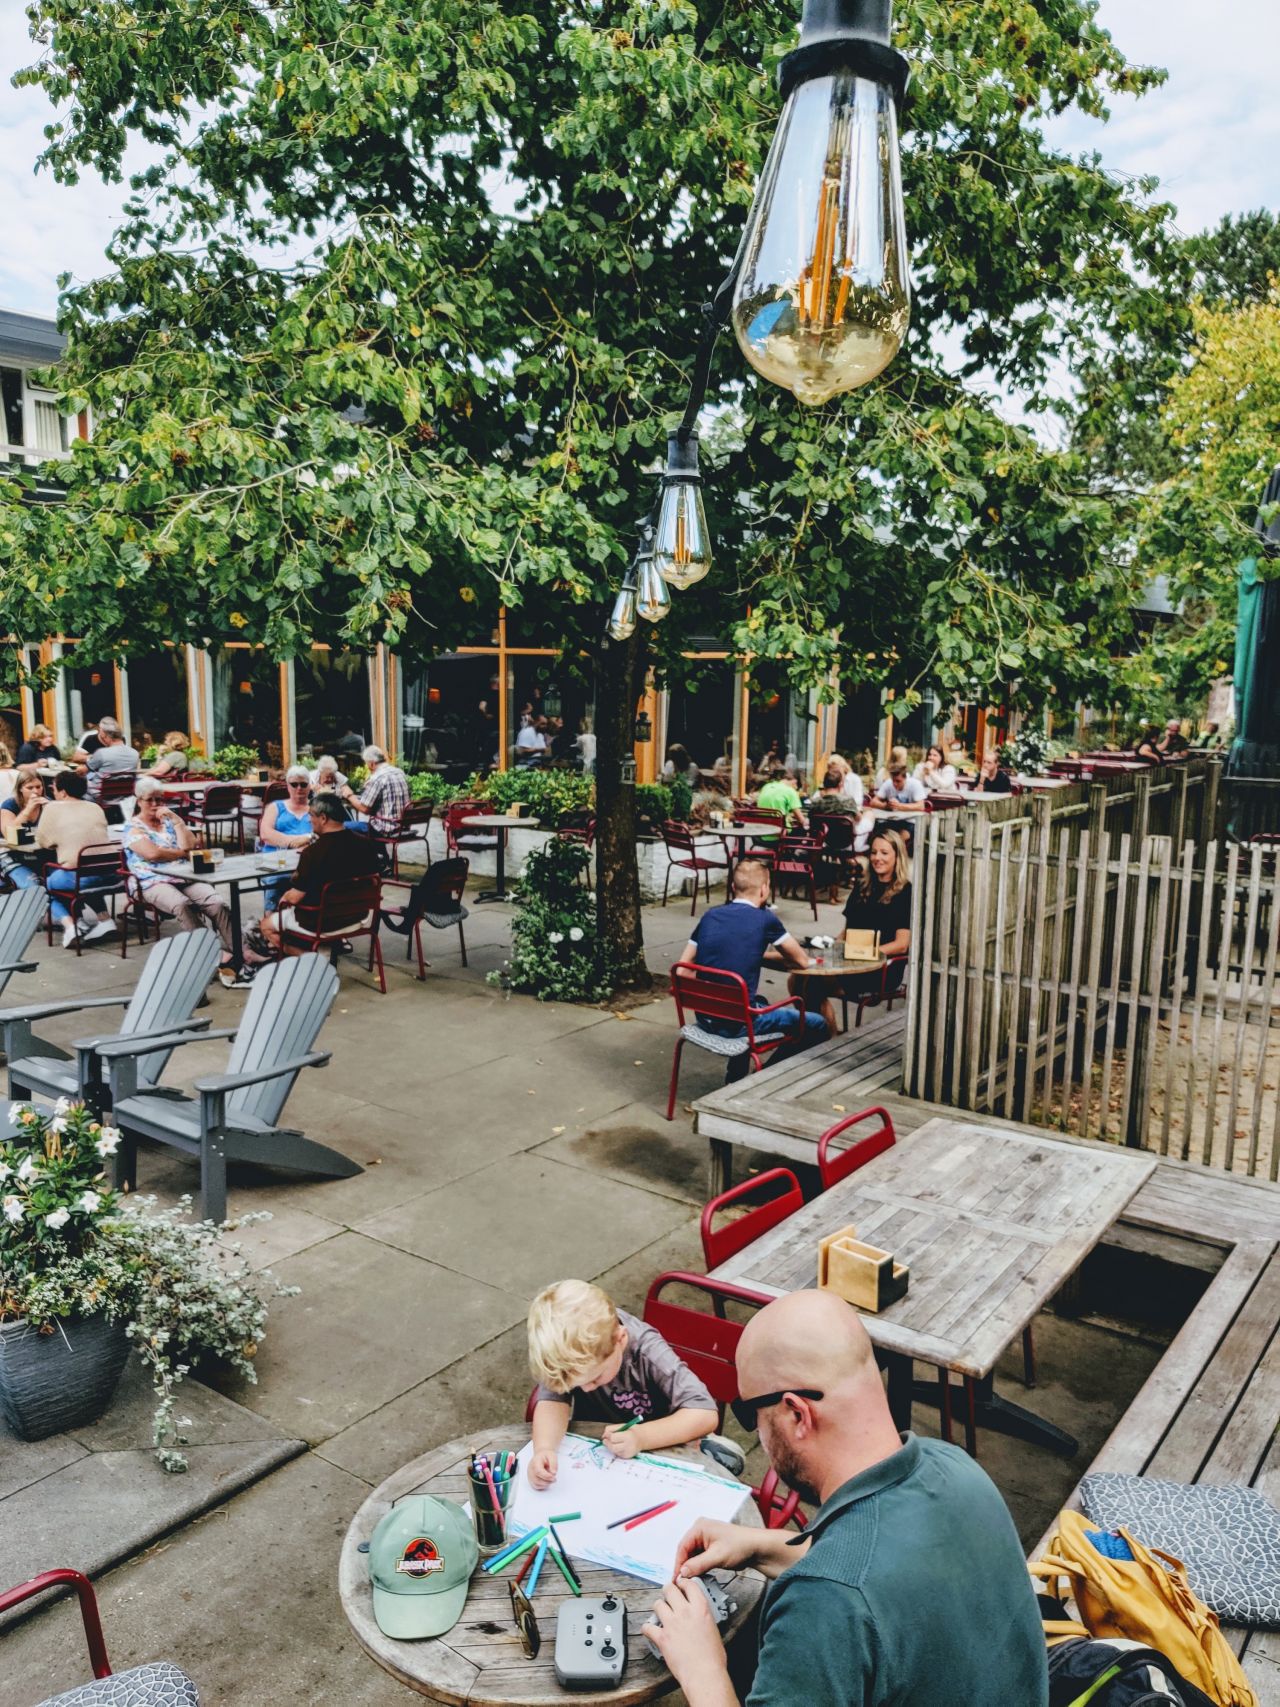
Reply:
x=1222, y=425
x=400, y=316
x=1237, y=261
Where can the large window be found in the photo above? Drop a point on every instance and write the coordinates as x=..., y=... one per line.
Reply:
x=701, y=711
x=332, y=703
x=246, y=702
x=11, y=397
x=449, y=713
x=779, y=727
x=91, y=694
x=158, y=698
x=558, y=700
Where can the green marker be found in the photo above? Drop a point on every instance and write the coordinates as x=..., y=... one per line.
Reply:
x=513, y=1553
x=565, y=1572
x=565, y=1517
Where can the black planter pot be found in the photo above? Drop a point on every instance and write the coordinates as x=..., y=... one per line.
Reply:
x=53, y=1382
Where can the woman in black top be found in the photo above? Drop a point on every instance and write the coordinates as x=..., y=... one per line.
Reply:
x=879, y=901
x=38, y=746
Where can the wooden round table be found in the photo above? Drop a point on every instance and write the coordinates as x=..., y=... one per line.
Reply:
x=480, y=1663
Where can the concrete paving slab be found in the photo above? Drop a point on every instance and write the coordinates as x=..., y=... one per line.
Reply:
x=245, y=1599
x=524, y=1223
x=638, y=1146
x=369, y=1322
x=23, y=1463
x=490, y=1385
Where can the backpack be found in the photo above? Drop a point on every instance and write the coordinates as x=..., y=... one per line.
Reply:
x=1083, y=1670
x=1124, y=1591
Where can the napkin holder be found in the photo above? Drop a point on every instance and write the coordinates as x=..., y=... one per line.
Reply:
x=859, y=1273
x=203, y=862
x=517, y=809
x=861, y=945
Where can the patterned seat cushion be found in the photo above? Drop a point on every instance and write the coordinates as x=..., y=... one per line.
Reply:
x=713, y=1041
x=1227, y=1537
x=442, y=921
x=158, y=1685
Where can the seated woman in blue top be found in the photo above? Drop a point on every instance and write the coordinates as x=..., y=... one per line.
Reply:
x=739, y=937
x=20, y=812
x=285, y=824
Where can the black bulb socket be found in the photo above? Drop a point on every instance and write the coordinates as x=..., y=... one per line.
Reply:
x=846, y=35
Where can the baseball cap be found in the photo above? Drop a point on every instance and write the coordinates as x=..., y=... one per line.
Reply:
x=421, y=1558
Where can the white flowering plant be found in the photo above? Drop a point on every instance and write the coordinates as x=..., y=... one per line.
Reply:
x=71, y=1246
x=555, y=952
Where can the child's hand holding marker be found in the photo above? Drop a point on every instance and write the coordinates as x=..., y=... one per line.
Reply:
x=620, y=1441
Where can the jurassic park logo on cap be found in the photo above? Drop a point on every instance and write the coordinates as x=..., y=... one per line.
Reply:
x=420, y=1558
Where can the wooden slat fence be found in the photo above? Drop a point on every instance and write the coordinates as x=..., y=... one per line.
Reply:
x=1075, y=970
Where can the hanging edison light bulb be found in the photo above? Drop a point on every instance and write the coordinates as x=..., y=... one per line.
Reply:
x=682, y=543
x=653, y=596
x=823, y=297
x=622, y=619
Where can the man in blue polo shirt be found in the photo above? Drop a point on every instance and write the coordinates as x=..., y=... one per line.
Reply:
x=908, y=1589
x=739, y=937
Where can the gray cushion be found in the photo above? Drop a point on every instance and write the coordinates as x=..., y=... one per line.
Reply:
x=158, y=1685
x=442, y=921
x=713, y=1041
x=1227, y=1537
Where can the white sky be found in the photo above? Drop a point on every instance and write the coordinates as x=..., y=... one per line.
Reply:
x=1211, y=134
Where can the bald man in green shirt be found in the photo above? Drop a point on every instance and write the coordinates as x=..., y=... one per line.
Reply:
x=909, y=1588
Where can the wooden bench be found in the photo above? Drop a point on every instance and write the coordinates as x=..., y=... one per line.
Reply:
x=1209, y=1409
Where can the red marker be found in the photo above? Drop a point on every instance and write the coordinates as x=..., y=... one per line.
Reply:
x=646, y=1515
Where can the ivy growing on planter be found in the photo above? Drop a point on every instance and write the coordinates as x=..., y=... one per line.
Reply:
x=555, y=952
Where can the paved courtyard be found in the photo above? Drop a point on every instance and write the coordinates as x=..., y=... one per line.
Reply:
x=505, y=1143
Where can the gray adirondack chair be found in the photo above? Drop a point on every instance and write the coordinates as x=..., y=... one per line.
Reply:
x=20, y=912
x=174, y=976
x=235, y=1115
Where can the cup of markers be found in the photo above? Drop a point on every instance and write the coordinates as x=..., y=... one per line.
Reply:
x=492, y=1478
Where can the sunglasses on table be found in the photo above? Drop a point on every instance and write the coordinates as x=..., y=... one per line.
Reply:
x=526, y=1621
x=747, y=1411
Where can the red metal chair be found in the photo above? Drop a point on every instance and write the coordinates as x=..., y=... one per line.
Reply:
x=721, y=1243
x=891, y=988
x=772, y=824
x=859, y=1151
x=411, y=826
x=220, y=813
x=348, y=908
x=707, y=993
x=708, y=1344
x=794, y=866
x=683, y=855
x=160, y=1682
x=435, y=897
x=113, y=791
x=463, y=841
x=103, y=863
x=275, y=791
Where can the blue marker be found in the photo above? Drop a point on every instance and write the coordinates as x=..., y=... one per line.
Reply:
x=536, y=1572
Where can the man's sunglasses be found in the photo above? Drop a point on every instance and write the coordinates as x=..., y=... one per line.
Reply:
x=747, y=1411
x=526, y=1621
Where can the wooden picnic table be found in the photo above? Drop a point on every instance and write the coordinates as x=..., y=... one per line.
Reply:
x=479, y=1662
x=991, y=1223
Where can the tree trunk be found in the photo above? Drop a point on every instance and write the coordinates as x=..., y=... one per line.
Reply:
x=618, y=874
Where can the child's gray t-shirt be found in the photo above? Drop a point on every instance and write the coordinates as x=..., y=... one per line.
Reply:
x=651, y=1382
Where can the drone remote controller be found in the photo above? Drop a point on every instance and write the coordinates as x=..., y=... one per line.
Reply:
x=591, y=1643
x=722, y=1605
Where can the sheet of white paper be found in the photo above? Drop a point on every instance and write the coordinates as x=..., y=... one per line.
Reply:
x=603, y=1488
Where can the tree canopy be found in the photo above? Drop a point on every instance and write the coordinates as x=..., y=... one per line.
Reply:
x=400, y=315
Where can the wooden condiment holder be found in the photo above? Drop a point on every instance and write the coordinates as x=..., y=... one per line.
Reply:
x=859, y=1273
x=861, y=945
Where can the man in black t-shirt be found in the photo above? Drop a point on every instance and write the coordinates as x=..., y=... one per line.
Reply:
x=335, y=854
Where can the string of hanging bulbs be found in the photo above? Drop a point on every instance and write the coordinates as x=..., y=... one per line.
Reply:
x=818, y=293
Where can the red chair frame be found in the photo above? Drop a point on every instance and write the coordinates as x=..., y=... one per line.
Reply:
x=680, y=839
x=415, y=816
x=857, y=1154
x=719, y=1244
x=708, y=1344
x=455, y=812
x=365, y=892
x=794, y=863
x=447, y=880
x=213, y=810
x=90, y=1617
x=105, y=858
x=708, y=992
x=874, y=998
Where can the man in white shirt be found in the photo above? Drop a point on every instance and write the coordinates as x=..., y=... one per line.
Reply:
x=904, y=793
x=531, y=743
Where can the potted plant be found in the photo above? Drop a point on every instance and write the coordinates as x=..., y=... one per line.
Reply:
x=233, y=764
x=85, y=1275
